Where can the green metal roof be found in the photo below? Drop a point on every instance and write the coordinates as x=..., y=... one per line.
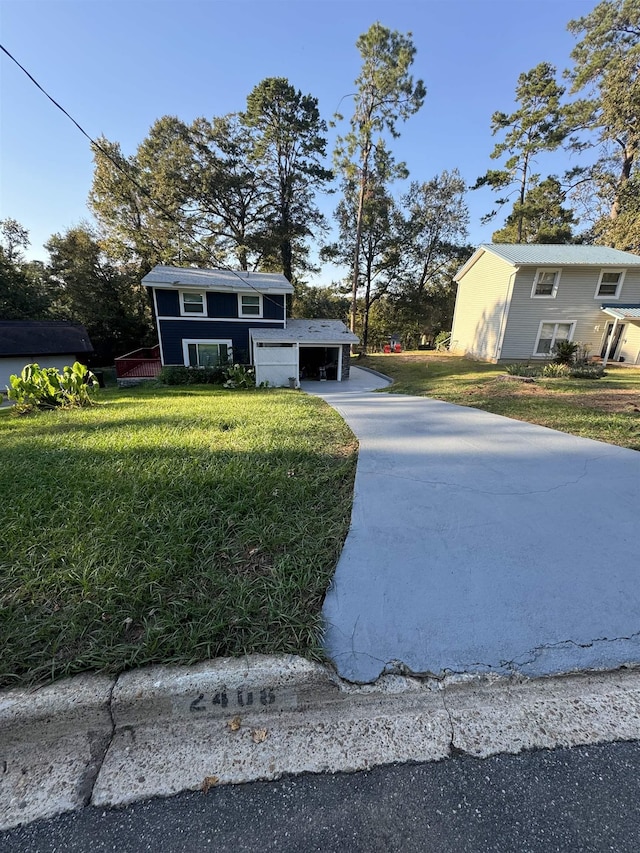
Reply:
x=561, y=254
x=622, y=312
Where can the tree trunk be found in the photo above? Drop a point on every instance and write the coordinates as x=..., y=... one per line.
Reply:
x=523, y=188
x=628, y=158
x=364, y=179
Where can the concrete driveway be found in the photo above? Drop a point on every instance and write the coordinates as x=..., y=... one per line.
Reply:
x=481, y=544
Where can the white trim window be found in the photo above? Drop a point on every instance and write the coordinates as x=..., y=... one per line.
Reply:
x=549, y=334
x=206, y=353
x=193, y=303
x=609, y=284
x=250, y=305
x=545, y=284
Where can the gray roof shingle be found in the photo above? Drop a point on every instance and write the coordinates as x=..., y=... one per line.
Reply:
x=308, y=331
x=210, y=279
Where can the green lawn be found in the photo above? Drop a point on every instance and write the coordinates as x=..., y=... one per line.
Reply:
x=606, y=409
x=168, y=526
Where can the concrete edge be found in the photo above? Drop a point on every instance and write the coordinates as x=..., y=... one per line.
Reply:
x=374, y=372
x=161, y=730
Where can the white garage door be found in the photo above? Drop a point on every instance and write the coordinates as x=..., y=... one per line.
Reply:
x=275, y=363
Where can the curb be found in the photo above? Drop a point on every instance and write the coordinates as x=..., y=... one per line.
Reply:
x=375, y=373
x=92, y=740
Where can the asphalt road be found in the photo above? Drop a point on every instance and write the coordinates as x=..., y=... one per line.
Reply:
x=583, y=799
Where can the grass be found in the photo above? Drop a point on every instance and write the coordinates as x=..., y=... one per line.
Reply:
x=606, y=409
x=168, y=526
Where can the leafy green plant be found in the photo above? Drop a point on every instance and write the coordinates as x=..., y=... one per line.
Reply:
x=180, y=375
x=522, y=369
x=555, y=370
x=442, y=340
x=239, y=376
x=587, y=371
x=47, y=388
x=565, y=352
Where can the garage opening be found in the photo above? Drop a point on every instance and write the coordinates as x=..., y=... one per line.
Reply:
x=319, y=362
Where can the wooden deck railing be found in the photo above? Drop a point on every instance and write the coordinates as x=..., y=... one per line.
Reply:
x=142, y=363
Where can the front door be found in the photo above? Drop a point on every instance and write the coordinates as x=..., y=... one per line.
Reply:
x=616, y=341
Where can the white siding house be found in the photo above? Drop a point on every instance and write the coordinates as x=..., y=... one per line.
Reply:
x=48, y=343
x=515, y=301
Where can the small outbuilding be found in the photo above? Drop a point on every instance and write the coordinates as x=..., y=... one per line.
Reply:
x=49, y=343
x=305, y=349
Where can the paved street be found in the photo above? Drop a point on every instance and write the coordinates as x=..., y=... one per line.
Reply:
x=585, y=799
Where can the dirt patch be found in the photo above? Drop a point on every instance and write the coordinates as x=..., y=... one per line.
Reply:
x=610, y=400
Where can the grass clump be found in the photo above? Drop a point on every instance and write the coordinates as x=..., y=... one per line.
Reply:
x=522, y=369
x=168, y=525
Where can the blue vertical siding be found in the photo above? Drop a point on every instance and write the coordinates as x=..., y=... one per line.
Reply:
x=273, y=307
x=168, y=302
x=173, y=332
x=222, y=305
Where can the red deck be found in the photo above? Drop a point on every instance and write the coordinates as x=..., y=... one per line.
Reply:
x=140, y=364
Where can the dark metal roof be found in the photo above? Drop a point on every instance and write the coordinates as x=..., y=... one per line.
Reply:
x=42, y=337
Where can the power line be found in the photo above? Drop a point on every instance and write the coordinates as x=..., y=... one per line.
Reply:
x=125, y=172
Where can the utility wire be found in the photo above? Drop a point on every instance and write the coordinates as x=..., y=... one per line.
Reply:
x=125, y=172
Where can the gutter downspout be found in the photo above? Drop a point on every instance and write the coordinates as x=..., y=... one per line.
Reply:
x=505, y=313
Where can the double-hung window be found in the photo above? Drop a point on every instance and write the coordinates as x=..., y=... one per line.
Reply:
x=192, y=304
x=609, y=284
x=249, y=305
x=549, y=334
x=545, y=284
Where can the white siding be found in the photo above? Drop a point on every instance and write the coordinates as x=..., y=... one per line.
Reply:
x=574, y=303
x=481, y=308
x=14, y=365
x=630, y=343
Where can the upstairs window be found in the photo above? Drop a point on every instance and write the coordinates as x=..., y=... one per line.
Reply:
x=610, y=284
x=545, y=284
x=250, y=305
x=192, y=304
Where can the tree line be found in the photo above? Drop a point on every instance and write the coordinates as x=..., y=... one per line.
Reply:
x=242, y=190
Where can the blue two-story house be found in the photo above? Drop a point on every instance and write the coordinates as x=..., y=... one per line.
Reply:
x=203, y=316
x=206, y=316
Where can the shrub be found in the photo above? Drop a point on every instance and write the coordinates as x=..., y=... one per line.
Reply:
x=442, y=340
x=180, y=375
x=587, y=371
x=239, y=376
x=555, y=370
x=521, y=369
x=565, y=352
x=47, y=388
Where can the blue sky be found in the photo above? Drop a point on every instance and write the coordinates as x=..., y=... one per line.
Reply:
x=117, y=65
